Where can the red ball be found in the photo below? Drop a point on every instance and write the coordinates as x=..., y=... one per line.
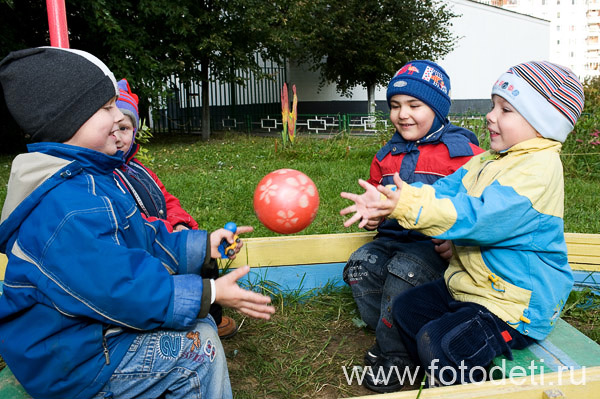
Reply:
x=286, y=201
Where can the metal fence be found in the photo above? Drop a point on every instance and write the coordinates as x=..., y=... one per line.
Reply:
x=229, y=102
x=256, y=108
x=311, y=124
x=269, y=122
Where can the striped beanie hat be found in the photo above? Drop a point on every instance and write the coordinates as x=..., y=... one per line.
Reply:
x=547, y=95
x=128, y=103
x=50, y=91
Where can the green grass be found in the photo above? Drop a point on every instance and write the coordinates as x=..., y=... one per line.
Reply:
x=583, y=312
x=215, y=181
x=300, y=353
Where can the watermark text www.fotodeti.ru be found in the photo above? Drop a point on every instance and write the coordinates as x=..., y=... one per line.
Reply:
x=512, y=374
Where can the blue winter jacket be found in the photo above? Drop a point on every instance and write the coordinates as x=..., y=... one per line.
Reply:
x=504, y=213
x=85, y=272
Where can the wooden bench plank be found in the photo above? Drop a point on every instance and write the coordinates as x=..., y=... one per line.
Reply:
x=3, y=262
x=587, y=238
x=584, y=249
x=565, y=346
x=536, y=387
x=10, y=387
x=300, y=250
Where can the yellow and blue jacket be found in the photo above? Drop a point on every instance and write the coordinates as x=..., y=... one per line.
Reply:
x=504, y=213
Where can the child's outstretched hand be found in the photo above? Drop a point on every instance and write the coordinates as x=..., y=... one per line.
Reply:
x=218, y=235
x=369, y=206
x=249, y=303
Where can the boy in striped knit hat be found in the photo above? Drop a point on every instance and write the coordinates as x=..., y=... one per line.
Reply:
x=509, y=277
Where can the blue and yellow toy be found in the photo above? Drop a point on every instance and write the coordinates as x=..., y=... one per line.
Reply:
x=225, y=248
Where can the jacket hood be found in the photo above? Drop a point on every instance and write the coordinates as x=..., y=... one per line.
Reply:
x=37, y=172
x=457, y=139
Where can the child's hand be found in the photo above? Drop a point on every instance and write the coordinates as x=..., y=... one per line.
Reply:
x=218, y=235
x=249, y=303
x=179, y=227
x=372, y=224
x=369, y=207
x=443, y=248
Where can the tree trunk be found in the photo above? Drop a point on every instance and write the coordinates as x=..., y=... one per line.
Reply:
x=205, y=100
x=371, y=99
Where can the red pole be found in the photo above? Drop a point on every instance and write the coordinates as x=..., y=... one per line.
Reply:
x=57, y=23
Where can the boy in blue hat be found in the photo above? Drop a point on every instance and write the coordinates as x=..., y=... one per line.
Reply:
x=97, y=301
x=424, y=148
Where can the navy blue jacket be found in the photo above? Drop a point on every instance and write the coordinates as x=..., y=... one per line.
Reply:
x=85, y=272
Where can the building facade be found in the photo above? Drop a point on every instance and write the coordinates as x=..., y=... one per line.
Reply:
x=574, y=30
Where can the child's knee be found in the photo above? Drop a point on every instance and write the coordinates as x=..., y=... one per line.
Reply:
x=472, y=343
x=401, y=307
x=202, y=343
x=469, y=346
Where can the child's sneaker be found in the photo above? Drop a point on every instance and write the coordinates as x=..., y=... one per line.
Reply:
x=372, y=354
x=387, y=375
x=227, y=328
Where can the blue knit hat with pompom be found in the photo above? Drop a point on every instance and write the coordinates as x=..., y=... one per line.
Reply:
x=426, y=81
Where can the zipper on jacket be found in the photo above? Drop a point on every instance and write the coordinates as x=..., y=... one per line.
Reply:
x=105, y=347
x=486, y=162
x=450, y=278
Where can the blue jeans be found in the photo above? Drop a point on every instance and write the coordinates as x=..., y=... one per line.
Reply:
x=452, y=335
x=172, y=365
x=379, y=271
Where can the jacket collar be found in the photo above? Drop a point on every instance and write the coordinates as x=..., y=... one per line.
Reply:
x=456, y=139
x=535, y=144
x=131, y=153
x=93, y=161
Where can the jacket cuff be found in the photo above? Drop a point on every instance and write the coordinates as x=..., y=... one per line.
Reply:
x=188, y=300
x=207, y=257
x=206, y=297
x=197, y=252
x=405, y=202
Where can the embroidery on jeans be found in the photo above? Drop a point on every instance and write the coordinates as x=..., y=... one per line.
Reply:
x=355, y=270
x=195, y=337
x=356, y=273
x=386, y=322
x=210, y=350
x=197, y=357
x=170, y=345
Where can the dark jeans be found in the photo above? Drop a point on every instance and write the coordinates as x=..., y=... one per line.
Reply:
x=382, y=269
x=460, y=339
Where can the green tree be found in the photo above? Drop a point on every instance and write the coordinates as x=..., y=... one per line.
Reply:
x=149, y=41
x=363, y=42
